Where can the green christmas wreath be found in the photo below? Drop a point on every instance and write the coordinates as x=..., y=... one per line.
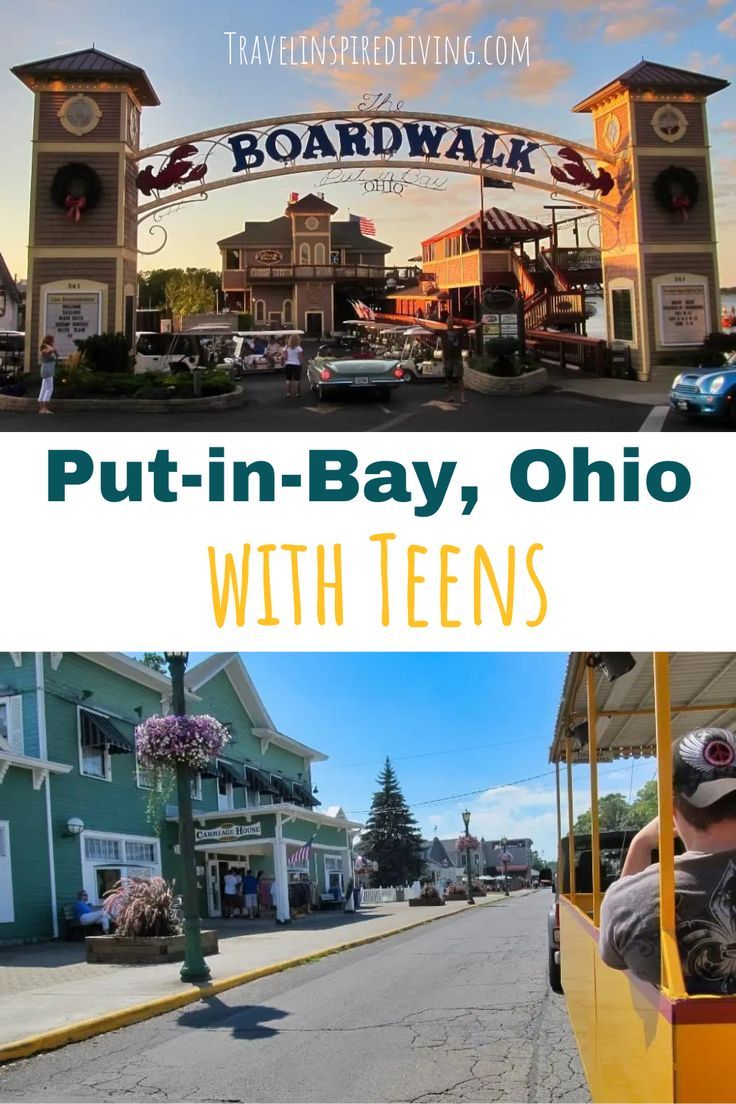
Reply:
x=677, y=190
x=76, y=188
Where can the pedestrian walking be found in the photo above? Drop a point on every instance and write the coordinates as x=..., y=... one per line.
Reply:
x=232, y=882
x=49, y=357
x=293, y=366
x=250, y=886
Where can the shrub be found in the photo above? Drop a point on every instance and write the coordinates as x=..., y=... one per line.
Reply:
x=143, y=907
x=106, y=352
x=245, y=321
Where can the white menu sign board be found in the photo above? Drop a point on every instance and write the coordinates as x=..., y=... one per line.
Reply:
x=683, y=314
x=71, y=316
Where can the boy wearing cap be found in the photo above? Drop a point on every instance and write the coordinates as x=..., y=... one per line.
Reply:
x=704, y=782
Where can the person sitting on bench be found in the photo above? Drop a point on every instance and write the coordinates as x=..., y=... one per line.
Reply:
x=85, y=913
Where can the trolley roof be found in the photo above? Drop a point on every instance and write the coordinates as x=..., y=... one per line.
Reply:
x=702, y=692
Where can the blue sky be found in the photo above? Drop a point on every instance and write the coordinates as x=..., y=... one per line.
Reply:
x=576, y=46
x=459, y=729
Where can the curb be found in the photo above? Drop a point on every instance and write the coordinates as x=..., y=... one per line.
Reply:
x=230, y=400
x=137, y=1013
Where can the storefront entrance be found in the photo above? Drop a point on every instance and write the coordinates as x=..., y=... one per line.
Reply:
x=314, y=322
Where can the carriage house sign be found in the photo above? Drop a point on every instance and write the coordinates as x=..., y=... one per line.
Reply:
x=227, y=832
x=650, y=134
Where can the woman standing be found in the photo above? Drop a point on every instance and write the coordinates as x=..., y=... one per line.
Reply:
x=293, y=366
x=49, y=357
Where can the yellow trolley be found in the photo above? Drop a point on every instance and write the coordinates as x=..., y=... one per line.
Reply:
x=637, y=1042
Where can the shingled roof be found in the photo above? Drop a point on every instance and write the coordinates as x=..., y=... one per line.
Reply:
x=88, y=65
x=650, y=76
x=278, y=232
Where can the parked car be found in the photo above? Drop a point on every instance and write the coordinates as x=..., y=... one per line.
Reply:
x=168, y=352
x=614, y=846
x=326, y=375
x=706, y=393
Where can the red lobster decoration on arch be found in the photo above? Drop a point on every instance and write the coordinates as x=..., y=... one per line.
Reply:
x=577, y=173
x=177, y=169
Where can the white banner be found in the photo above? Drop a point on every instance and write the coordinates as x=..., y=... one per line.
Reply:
x=424, y=567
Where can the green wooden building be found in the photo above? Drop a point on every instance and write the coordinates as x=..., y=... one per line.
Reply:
x=76, y=810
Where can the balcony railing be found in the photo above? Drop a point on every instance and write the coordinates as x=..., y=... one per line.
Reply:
x=325, y=272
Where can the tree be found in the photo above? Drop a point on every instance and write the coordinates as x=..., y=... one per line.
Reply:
x=392, y=838
x=152, y=285
x=155, y=661
x=615, y=812
x=187, y=293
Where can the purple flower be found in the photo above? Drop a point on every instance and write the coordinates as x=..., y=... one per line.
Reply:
x=192, y=741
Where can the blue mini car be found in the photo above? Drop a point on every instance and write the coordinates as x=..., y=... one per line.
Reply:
x=706, y=392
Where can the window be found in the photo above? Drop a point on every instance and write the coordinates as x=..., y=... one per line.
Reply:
x=335, y=257
x=305, y=255
x=319, y=254
x=11, y=724
x=144, y=777
x=333, y=873
x=195, y=787
x=259, y=309
x=7, y=912
x=224, y=795
x=96, y=763
x=453, y=246
x=287, y=312
x=107, y=859
x=622, y=312
x=232, y=259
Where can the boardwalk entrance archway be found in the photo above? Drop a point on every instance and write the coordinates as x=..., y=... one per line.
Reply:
x=93, y=185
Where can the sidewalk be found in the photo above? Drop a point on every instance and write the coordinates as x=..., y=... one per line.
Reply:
x=49, y=988
x=655, y=393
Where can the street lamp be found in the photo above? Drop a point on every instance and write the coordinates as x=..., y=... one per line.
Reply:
x=466, y=822
x=194, y=967
x=505, y=860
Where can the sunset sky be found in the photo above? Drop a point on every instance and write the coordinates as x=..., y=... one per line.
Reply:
x=576, y=46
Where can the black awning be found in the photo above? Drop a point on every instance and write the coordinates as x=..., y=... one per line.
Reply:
x=304, y=794
x=99, y=731
x=260, y=780
x=231, y=772
x=282, y=786
x=211, y=770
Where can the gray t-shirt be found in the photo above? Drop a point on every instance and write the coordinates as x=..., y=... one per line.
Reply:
x=705, y=911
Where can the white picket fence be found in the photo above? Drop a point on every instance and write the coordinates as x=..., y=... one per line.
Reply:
x=386, y=894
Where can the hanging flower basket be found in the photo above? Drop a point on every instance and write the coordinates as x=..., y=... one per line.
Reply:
x=162, y=742
x=467, y=843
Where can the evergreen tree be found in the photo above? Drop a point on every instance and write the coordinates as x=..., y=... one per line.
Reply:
x=392, y=838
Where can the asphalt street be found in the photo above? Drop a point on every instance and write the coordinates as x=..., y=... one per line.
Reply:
x=419, y=407
x=458, y=1010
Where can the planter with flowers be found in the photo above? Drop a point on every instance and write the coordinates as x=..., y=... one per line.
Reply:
x=428, y=895
x=148, y=925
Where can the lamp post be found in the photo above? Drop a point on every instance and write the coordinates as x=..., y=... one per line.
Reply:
x=505, y=859
x=194, y=967
x=466, y=822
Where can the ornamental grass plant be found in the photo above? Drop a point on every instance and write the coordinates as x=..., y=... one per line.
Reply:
x=144, y=907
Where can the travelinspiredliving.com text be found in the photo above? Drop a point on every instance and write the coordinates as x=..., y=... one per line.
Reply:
x=376, y=51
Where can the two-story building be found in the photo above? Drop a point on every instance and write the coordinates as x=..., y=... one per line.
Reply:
x=301, y=270
x=76, y=809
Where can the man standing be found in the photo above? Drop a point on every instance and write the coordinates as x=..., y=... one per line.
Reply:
x=232, y=893
x=704, y=782
x=452, y=358
x=250, y=888
x=87, y=914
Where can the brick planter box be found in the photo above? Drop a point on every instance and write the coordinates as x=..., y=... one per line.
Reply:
x=525, y=384
x=420, y=902
x=150, y=949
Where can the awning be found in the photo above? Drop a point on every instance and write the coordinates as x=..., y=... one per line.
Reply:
x=259, y=780
x=304, y=794
x=98, y=731
x=283, y=787
x=231, y=772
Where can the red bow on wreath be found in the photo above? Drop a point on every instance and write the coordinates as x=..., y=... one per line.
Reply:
x=74, y=207
x=681, y=203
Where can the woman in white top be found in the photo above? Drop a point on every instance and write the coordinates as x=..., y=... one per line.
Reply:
x=293, y=366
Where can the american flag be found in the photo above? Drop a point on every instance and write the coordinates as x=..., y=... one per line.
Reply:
x=301, y=855
x=367, y=226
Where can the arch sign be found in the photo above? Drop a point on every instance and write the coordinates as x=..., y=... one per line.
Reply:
x=650, y=145
x=192, y=166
